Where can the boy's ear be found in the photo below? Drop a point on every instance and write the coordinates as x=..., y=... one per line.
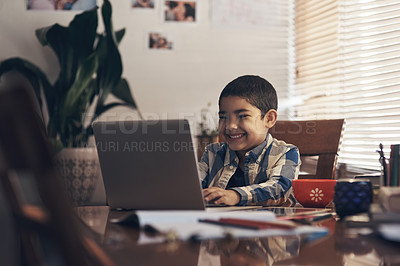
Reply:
x=270, y=118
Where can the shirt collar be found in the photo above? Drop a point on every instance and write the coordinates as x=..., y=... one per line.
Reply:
x=230, y=157
x=255, y=153
x=259, y=149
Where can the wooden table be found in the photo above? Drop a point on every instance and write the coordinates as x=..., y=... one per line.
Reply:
x=343, y=246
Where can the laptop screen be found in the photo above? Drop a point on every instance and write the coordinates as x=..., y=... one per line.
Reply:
x=149, y=164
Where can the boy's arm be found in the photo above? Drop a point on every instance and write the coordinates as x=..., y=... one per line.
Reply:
x=221, y=196
x=214, y=194
x=278, y=188
x=203, y=168
x=203, y=172
x=206, y=164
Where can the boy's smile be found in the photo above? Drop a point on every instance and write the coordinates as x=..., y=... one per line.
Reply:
x=241, y=124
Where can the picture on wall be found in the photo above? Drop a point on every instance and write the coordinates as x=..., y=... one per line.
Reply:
x=143, y=4
x=180, y=11
x=60, y=4
x=160, y=41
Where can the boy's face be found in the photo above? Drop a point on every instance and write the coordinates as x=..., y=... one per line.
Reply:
x=241, y=124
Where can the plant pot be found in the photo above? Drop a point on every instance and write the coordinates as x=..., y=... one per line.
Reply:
x=81, y=170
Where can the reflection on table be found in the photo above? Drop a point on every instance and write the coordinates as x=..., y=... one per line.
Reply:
x=343, y=246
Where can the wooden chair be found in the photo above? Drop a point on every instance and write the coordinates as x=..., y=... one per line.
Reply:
x=49, y=230
x=319, y=139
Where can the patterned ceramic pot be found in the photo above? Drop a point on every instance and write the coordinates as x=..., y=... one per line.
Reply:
x=80, y=169
x=352, y=196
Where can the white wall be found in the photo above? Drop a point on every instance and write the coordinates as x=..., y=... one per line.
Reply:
x=174, y=83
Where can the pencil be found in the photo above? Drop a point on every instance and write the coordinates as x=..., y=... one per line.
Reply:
x=306, y=219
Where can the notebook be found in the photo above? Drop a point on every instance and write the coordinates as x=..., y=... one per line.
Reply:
x=149, y=165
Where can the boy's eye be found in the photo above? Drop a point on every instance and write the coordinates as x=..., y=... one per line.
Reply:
x=222, y=117
x=241, y=116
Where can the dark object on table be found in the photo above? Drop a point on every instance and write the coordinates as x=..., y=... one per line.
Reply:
x=352, y=196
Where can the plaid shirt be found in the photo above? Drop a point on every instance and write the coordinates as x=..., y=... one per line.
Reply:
x=268, y=171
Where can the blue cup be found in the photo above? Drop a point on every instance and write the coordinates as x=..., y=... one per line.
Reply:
x=352, y=196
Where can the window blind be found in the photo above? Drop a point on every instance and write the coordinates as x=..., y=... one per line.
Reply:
x=348, y=66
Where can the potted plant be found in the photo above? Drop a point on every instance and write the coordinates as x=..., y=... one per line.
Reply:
x=90, y=71
x=208, y=132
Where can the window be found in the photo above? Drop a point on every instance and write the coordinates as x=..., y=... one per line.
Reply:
x=348, y=66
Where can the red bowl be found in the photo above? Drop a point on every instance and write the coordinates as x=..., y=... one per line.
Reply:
x=314, y=193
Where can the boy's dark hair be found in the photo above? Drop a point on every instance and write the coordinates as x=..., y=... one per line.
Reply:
x=256, y=90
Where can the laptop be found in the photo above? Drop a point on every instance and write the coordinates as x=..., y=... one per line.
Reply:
x=149, y=165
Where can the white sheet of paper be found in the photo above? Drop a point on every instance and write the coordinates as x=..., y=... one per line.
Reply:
x=161, y=217
x=185, y=225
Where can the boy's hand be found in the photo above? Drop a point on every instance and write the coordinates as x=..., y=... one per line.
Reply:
x=221, y=196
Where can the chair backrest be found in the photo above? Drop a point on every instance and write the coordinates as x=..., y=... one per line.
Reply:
x=51, y=219
x=314, y=138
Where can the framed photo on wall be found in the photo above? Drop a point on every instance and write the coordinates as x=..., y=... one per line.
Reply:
x=60, y=4
x=159, y=41
x=180, y=11
x=143, y=4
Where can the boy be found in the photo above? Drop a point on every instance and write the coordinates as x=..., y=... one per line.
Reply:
x=249, y=166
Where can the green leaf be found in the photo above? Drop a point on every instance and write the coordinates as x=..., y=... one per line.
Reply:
x=41, y=34
x=56, y=37
x=123, y=92
x=83, y=78
x=56, y=144
x=107, y=107
x=119, y=35
x=110, y=63
x=82, y=33
x=71, y=44
x=93, y=87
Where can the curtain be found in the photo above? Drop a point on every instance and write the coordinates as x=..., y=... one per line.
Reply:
x=348, y=66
